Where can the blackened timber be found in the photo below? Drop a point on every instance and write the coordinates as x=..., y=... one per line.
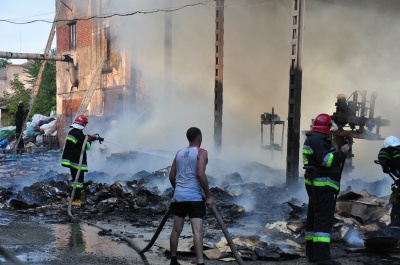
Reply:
x=295, y=86
x=219, y=73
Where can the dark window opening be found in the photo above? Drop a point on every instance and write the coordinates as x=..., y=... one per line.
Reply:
x=108, y=45
x=72, y=36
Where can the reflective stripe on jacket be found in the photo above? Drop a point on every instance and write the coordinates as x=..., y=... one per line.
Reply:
x=391, y=155
x=72, y=150
x=322, y=162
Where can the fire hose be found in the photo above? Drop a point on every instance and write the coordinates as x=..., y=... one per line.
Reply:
x=10, y=257
x=160, y=226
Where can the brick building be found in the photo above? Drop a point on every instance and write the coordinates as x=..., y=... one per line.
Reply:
x=87, y=40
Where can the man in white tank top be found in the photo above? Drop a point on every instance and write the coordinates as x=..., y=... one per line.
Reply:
x=189, y=179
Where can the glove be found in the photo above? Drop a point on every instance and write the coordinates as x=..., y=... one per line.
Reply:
x=346, y=141
x=385, y=169
x=394, y=197
x=97, y=137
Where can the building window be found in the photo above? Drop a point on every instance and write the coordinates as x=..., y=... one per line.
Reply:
x=72, y=36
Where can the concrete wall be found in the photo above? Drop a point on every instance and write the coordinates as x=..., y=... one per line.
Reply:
x=7, y=75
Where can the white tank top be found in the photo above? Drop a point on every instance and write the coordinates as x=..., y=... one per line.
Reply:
x=187, y=186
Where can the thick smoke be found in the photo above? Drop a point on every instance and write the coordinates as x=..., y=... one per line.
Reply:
x=348, y=46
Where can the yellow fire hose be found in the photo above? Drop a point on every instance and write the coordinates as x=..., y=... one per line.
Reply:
x=160, y=226
x=77, y=176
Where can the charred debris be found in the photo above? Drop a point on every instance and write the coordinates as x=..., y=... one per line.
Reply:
x=266, y=222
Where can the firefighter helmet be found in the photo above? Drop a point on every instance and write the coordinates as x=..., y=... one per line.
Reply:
x=322, y=123
x=391, y=141
x=82, y=120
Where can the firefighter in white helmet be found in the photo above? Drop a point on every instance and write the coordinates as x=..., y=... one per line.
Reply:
x=389, y=159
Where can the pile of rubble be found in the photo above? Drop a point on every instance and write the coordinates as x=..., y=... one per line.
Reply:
x=37, y=133
x=265, y=225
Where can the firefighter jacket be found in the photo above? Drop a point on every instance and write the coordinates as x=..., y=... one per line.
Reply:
x=20, y=116
x=322, y=162
x=390, y=155
x=73, y=148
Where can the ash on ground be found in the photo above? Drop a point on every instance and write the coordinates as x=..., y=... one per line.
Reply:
x=265, y=222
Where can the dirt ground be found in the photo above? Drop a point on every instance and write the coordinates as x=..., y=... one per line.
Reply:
x=41, y=238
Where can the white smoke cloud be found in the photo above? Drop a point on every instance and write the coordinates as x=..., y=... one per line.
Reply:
x=347, y=47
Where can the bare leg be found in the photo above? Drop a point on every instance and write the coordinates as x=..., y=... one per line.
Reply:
x=197, y=229
x=175, y=233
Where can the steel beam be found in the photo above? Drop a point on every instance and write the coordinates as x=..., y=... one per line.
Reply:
x=295, y=86
x=219, y=73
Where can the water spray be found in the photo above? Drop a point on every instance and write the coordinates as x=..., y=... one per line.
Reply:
x=120, y=145
x=127, y=147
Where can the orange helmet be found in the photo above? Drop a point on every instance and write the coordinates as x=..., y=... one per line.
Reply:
x=322, y=123
x=82, y=120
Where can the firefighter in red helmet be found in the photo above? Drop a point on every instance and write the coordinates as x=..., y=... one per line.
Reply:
x=322, y=164
x=72, y=153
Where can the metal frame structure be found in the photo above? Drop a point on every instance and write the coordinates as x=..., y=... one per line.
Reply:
x=271, y=119
x=295, y=87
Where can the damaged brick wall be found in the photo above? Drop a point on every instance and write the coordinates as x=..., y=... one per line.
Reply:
x=62, y=39
x=117, y=92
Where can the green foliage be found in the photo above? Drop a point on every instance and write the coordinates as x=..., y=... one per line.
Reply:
x=10, y=100
x=45, y=100
x=4, y=62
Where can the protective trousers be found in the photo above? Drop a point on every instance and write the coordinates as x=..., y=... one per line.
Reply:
x=395, y=213
x=79, y=183
x=321, y=207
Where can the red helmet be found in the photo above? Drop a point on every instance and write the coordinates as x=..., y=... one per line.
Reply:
x=82, y=120
x=322, y=123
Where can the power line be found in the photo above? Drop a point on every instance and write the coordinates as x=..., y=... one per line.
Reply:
x=111, y=15
x=31, y=16
x=135, y=12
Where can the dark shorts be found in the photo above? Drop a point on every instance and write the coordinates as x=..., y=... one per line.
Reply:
x=193, y=209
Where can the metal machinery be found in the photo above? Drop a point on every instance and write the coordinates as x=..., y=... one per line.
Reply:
x=355, y=120
x=271, y=119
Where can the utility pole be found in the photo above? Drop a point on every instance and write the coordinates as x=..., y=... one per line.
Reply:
x=295, y=86
x=219, y=73
x=167, y=55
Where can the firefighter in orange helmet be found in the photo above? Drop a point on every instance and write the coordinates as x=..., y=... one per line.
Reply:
x=322, y=164
x=72, y=153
